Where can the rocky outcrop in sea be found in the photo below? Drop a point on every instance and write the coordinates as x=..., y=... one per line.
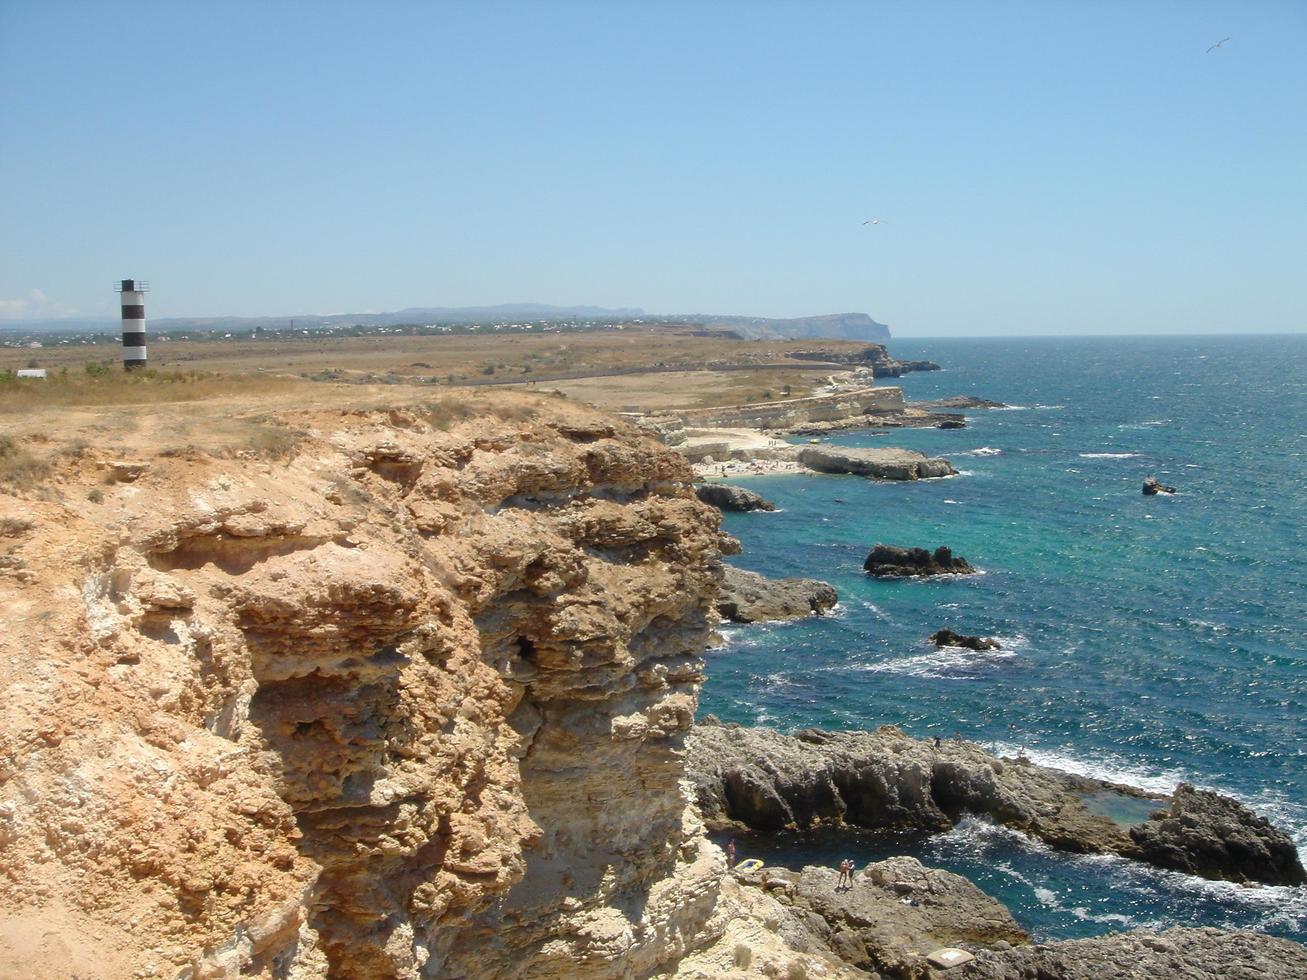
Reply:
x=884, y=779
x=725, y=497
x=880, y=464
x=1152, y=487
x=747, y=597
x=892, y=561
x=947, y=638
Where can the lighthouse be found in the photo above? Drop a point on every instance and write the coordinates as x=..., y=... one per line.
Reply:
x=133, y=296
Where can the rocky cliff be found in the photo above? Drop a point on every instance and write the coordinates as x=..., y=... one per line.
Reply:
x=408, y=701
x=403, y=692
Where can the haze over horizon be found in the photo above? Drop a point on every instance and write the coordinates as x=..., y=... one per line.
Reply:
x=1039, y=169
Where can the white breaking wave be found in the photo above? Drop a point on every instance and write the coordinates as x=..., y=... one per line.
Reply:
x=949, y=663
x=982, y=451
x=1108, y=455
x=1290, y=816
x=1277, y=906
x=1112, y=769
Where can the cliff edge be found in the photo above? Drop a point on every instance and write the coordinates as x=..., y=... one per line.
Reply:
x=407, y=700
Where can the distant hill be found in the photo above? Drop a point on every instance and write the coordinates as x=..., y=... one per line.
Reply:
x=308, y=321
x=836, y=326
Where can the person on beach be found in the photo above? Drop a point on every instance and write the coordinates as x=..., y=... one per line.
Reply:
x=730, y=853
x=938, y=742
x=846, y=868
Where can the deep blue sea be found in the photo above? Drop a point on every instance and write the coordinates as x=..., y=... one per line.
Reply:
x=1147, y=639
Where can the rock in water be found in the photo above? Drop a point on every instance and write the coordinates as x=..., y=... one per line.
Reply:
x=1152, y=488
x=882, y=464
x=891, y=561
x=886, y=780
x=947, y=638
x=1207, y=834
x=723, y=496
x=747, y=597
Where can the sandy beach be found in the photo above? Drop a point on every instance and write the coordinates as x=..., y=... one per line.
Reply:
x=736, y=468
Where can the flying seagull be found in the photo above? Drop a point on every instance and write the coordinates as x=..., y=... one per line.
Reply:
x=1217, y=45
x=873, y=221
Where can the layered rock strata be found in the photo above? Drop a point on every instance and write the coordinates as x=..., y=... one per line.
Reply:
x=747, y=597
x=725, y=497
x=765, y=780
x=880, y=464
x=410, y=702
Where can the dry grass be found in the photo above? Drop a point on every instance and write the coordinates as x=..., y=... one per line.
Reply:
x=269, y=440
x=117, y=387
x=443, y=360
x=446, y=412
x=19, y=468
x=12, y=527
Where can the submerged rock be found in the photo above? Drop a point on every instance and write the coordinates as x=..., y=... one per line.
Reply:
x=885, y=780
x=723, y=496
x=882, y=464
x=947, y=638
x=891, y=561
x=747, y=597
x=1152, y=487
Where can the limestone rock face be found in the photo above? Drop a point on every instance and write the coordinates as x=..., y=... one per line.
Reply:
x=723, y=496
x=747, y=597
x=881, y=464
x=410, y=703
x=885, y=780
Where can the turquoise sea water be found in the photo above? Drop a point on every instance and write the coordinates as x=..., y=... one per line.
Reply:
x=1147, y=640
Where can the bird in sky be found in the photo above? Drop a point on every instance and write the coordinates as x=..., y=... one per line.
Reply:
x=1217, y=45
x=873, y=221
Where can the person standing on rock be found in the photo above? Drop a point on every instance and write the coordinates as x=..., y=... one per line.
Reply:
x=730, y=853
x=846, y=873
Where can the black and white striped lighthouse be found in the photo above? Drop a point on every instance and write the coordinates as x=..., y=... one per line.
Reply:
x=133, y=293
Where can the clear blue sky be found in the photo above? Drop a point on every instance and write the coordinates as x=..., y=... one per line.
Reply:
x=1041, y=167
